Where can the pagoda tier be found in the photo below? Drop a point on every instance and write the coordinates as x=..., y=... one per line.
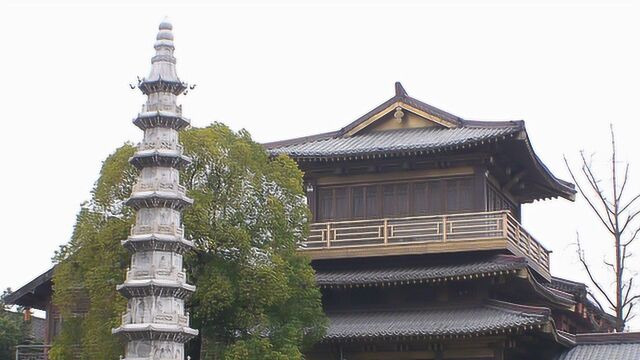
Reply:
x=161, y=118
x=159, y=242
x=164, y=285
x=164, y=332
x=155, y=324
x=160, y=157
x=165, y=199
x=160, y=85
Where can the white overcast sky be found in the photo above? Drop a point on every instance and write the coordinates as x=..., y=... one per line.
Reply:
x=293, y=68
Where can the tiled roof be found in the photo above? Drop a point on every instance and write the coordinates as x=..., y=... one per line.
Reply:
x=420, y=140
x=491, y=318
x=623, y=346
x=34, y=293
x=602, y=352
x=569, y=286
x=452, y=133
x=390, y=275
x=580, y=293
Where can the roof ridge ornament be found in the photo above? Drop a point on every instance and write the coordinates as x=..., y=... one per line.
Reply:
x=400, y=91
x=398, y=115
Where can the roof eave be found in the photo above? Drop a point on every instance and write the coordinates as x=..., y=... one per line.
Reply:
x=17, y=297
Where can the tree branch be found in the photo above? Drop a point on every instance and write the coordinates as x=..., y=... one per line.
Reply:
x=591, y=277
x=624, y=208
x=629, y=220
x=584, y=195
x=631, y=300
x=632, y=238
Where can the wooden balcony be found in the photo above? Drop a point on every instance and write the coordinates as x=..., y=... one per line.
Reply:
x=496, y=230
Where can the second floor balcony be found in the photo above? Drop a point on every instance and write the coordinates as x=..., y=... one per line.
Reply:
x=481, y=231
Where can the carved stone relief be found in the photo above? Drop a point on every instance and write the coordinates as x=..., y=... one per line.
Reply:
x=158, y=178
x=138, y=349
x=160, y=138
x=167, y=350
x=152, y=309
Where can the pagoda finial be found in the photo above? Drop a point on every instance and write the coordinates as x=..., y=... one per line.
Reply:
x=165, y=35
x=165, y=24
x=400, y=91
x=163, y=64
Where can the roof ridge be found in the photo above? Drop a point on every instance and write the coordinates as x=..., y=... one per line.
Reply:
x=608, y=338
x=519, y=308
x=444, y=307
x=298, y=140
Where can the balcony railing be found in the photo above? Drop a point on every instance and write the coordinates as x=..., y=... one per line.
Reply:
x=422, y=234
x=157, y=229
x=161, y=107
x=177, y=319
x=160, y=145
x=32, y=352
x=156, y=273
x=159, y=186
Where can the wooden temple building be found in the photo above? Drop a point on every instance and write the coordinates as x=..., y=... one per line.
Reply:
x=417, y=242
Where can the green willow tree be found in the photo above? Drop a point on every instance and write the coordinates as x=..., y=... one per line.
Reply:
x=256, y=296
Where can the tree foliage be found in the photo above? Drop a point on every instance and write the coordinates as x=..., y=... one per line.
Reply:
x=13, y=330
x=256, y=296
x=92, y=263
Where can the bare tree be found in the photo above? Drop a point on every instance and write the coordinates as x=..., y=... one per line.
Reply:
x=617, y=212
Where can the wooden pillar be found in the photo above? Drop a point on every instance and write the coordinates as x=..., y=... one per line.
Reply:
x=311, y=190
x=480, y=188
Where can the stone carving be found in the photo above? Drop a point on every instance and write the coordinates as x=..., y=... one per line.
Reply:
x=139, y=349
x=139, y=309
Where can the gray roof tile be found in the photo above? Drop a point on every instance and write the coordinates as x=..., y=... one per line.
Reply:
x=618, y=346
x=377, y=275
x=479, y=319
x=399, y=141
x=602, y=352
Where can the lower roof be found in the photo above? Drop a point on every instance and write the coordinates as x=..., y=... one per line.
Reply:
x=492, y=317
x=618, y=346
x=425, y=272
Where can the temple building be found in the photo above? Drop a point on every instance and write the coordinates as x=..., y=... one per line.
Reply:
x=416, y=240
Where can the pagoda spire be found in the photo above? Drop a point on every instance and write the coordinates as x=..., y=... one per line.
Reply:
x=155, y=325
x=163, y=75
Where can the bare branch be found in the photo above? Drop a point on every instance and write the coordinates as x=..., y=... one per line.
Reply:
x=628, y=286
x=631, y=300
x=624, y=183
x=628, y=316
x=595, y=300
x=608, y=264
x=624, y=208
x=584, y=195
x=617, y=217
x=593, y=181
x=632, y=238
x=629, y=220
x=587, y=268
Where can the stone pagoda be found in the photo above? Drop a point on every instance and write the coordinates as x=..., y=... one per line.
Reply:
x=155, y=325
